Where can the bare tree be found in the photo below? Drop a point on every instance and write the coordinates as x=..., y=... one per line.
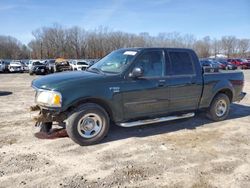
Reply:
x=74, y=42
x=11, y=48
x=216, y=47
x=229, y=45
x=202, y=47
x=243, y=46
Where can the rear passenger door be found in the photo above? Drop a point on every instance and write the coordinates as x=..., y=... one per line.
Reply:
x=185, y=81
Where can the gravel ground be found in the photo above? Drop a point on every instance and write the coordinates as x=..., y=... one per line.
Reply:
x=187, y=153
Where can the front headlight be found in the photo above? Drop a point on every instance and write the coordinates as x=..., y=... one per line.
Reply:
x=49, y=98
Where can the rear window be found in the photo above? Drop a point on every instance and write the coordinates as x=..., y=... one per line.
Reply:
x=81, y=63
x=37, y=63
x=181, y=63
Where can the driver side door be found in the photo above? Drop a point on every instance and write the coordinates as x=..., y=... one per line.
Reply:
x=147, y=95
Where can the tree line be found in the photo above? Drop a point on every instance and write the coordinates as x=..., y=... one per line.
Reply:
x=76, y=43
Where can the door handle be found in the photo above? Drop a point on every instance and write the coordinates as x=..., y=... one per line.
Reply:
x=161, y=83
x=192, y=82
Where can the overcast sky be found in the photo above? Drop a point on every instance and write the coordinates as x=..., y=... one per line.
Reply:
x=215, y=18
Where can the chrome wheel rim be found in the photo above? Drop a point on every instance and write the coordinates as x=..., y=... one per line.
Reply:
x=221, y=108
x=89, y=125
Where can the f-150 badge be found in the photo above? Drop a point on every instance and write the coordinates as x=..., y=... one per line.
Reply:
x=115, y=89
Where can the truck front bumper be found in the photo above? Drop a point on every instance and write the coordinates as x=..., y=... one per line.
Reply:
x=45, y=115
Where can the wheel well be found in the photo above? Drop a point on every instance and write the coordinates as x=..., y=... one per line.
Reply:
x=99, y=102
x=227, y=92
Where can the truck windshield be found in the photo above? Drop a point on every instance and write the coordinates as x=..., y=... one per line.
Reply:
x=115, y=62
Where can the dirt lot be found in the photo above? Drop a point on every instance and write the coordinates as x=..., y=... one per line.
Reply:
x=187, y=153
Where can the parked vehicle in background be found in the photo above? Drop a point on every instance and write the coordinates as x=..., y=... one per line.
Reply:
x=246, y=64
x=50, y=65
x=61, y=65
x=240, y=63
x=79, y=65
x=92, y=61
x=218, y=63
x=25, y=66
x=6, y=64
x=37, y=68
x=209, y=63
x=2, y=66
x=16, y=66
x=30, y=63
x=225, y=65
x=133, y=87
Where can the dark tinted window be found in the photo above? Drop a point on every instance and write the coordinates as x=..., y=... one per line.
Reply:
x=37, y=63
x=181, y=63
x=82, y=63
x=52, y=61
x=151, y=63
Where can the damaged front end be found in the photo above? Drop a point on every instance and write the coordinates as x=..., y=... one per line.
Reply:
x=44, y=120
x=46, y=116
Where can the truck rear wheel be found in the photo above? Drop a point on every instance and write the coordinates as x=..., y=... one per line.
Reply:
x=88, y=125
x=219, y=108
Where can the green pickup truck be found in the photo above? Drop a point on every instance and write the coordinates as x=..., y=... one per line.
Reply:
x=131, y=87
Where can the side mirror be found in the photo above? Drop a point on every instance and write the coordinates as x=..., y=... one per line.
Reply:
x=136, y=73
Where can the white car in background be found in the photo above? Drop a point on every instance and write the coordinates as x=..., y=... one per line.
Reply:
x=16, y=66
x=30, y=63
x=78, y=65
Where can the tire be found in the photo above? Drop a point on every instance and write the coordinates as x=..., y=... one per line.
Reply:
x=45, y=127
x=88, y=124
x=219, y=108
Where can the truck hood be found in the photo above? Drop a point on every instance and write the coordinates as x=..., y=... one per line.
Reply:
x=58, y=81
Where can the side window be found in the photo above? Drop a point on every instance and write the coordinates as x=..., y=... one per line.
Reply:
x=181, y=63
x=151, y=63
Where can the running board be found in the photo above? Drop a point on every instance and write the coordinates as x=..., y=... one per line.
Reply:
x=156, y=120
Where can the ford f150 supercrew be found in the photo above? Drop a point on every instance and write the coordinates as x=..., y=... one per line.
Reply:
x=131, y=87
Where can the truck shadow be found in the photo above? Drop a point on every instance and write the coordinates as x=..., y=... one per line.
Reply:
x=119, y=133
x=4, y=93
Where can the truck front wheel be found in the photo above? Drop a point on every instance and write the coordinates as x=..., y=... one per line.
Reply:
x=219, y=108
x=88, y=124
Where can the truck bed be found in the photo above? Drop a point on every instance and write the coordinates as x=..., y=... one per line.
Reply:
x=223, y=80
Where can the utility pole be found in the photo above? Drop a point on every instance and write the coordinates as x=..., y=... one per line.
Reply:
x=41, y=55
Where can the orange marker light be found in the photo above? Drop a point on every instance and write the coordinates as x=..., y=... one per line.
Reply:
x=56, y=99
